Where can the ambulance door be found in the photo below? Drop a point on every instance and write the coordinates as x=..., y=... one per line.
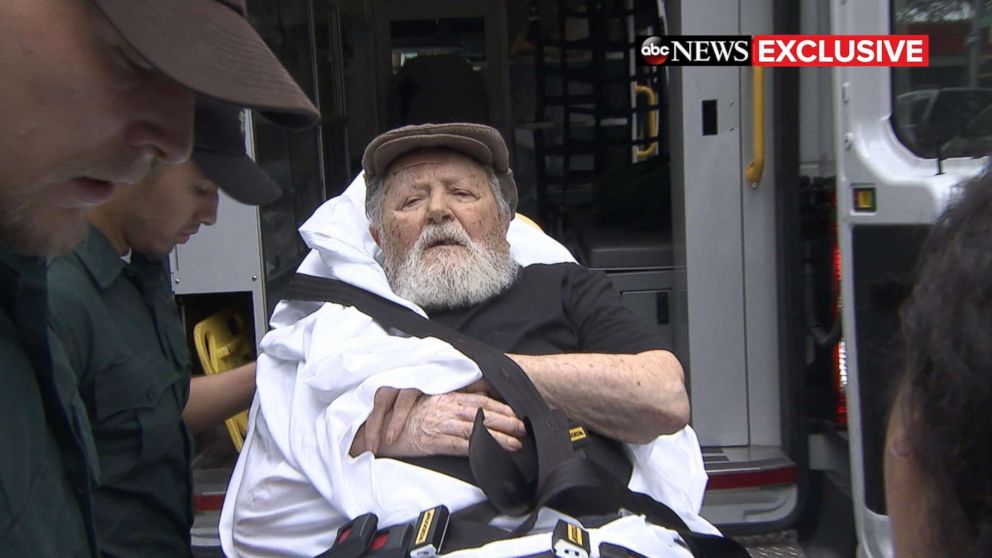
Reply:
x=726, y=234
x=891, y=124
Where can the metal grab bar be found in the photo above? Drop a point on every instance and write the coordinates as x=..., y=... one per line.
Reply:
x=647, y=151
x=754, y=169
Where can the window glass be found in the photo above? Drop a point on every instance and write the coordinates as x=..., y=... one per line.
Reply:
x=291, y=158
x=943, y=110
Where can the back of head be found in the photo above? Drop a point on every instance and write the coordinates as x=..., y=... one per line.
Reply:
x=947, y=389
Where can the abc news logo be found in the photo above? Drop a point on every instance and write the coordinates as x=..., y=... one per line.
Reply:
x=696, y=50
x=786, y=50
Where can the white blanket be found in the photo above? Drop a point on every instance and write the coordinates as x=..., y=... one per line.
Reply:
x=318, y=370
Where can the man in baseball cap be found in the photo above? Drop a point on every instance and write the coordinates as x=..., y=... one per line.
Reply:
x=92, y=93
x=134, y=373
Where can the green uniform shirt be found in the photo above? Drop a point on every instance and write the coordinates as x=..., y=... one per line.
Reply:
x=47, y=460
x=122, y=335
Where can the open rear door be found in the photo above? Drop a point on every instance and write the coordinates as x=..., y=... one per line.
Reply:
x=890, y=125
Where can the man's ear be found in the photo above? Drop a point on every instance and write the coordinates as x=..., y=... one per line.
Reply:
x=375, y=234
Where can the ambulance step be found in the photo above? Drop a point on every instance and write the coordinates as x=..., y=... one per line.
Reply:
x=784, y=544
x=750, y=487
x=747, y=467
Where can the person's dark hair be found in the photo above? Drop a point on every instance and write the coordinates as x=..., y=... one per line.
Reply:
x=947, y=387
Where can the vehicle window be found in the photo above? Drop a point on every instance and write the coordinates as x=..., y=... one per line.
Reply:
x=291, y=158
x=940, y=110
x=918, y=109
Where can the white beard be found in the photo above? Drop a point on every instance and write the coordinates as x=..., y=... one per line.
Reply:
x=449, y=277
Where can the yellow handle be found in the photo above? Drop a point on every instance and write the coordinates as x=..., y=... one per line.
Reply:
x=643, y=152
x=756, y=167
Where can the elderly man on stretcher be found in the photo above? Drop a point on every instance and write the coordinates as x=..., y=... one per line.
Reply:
x=531, y=404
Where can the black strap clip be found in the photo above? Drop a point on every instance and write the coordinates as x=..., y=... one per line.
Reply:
x=353, y=538
x=393, y=542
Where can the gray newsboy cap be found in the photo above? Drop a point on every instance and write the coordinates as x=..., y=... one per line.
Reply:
x=478, y=141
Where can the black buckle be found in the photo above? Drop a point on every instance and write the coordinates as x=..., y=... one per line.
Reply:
x=354, y=538
x=393, y=542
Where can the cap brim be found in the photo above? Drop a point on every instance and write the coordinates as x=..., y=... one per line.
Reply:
x=213, y=50
x=238, y=176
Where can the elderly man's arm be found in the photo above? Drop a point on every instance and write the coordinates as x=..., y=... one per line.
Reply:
x=631, y=398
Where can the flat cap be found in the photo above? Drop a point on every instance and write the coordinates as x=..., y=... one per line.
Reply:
x=478, y=141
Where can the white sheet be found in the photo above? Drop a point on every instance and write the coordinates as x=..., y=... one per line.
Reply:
x=318, y=369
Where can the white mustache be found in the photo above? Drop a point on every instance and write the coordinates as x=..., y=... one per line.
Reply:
x=448, y=232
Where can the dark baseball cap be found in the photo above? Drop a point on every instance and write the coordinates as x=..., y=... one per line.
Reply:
x=219, y=151
x=209, y=46
x=478, y=141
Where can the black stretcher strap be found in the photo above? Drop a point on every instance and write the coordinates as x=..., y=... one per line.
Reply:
x=563, y=479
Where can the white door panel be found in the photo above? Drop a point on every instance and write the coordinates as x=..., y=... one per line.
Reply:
x=908, y=192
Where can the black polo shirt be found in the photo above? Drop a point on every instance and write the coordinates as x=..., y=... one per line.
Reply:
x=123, y=336
x=47, y=459
x=555, y=309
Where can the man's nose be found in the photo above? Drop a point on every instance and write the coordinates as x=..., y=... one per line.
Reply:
x=208, y=210
x=438, y=210
x=162, y=126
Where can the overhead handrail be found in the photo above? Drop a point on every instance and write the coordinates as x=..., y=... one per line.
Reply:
x=647, y=151
x=754, y=169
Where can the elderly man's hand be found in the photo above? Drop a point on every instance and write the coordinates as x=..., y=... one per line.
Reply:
x=394, y=404
x=442, y=425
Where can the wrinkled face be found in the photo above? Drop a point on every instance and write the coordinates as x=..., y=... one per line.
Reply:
x=81, y=112
x=442, y=235
x=431, y=187
x=168, y=207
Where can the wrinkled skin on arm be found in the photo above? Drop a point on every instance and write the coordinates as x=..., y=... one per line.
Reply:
x=630, y=398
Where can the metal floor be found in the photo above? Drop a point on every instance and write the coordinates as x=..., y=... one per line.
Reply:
x=774, y=545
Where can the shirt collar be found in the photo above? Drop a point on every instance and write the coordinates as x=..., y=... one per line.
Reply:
x=99, y=258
